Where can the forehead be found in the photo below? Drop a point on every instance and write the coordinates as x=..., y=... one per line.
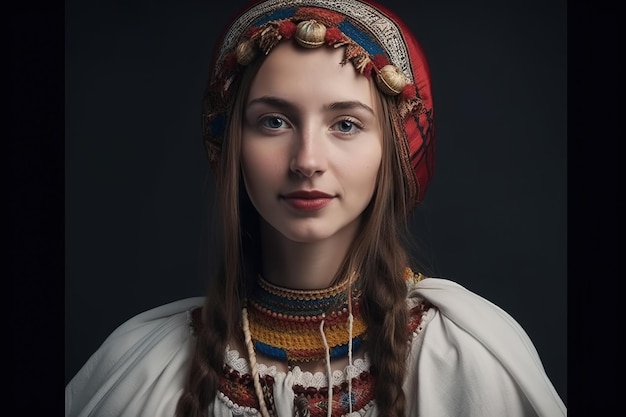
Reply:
x=308, y=75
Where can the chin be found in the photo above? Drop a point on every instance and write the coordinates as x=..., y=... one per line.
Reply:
x=314, y=232
x=305, y=236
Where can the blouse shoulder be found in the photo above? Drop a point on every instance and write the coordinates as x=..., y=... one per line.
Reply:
x=139, y=368
x=471, y=350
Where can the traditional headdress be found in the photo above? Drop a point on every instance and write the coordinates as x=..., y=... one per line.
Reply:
x=375, y=41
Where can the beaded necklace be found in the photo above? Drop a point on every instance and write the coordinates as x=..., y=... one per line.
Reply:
x=284, y=323
x=262, y=386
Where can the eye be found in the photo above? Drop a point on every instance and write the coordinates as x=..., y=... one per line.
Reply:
x=273, y=122
x=347, y=126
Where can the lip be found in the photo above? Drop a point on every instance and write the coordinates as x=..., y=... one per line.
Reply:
x=308, y=200
x=307, y=194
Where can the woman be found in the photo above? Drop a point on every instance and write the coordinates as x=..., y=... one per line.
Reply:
x=319, y=126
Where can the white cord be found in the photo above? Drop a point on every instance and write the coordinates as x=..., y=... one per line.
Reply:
x=253, y=364
x=328, y=369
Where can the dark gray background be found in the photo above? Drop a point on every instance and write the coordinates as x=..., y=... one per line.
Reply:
x=138, y=185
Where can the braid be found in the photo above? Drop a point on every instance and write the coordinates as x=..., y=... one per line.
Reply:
x=208, y=358
x=222, y=308
x=387, y=316
x=383, y=263
x=383, y=257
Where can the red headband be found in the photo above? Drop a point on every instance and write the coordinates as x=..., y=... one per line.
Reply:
x=377, y=43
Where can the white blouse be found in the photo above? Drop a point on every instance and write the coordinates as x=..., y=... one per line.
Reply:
x=469, y=359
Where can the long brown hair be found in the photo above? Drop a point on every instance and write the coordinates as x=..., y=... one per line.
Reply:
x=378, y=254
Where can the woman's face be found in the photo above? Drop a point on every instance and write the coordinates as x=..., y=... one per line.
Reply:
x=312, y=143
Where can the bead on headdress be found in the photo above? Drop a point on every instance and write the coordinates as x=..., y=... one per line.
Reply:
x=310, y=33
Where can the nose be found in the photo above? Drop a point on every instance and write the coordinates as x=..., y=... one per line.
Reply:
x=309, y=155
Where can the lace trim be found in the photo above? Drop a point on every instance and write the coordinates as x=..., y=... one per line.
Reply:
x=306, y=379
x=238, y=394
x=236, y=409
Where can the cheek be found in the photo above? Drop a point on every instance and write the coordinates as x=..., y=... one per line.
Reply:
x=370, y=177
x=371, y=170
x=249, y=174
x=362, y=176
x=371, y=161
x=259, y=170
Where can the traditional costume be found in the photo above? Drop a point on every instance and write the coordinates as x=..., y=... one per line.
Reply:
x=467, y=357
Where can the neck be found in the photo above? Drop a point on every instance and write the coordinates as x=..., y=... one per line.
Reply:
x=303, y=265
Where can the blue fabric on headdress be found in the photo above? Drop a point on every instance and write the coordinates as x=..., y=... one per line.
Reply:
x=277, y=15
x=361, y=38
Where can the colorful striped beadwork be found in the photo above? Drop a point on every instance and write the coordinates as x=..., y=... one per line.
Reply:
x=285, y=323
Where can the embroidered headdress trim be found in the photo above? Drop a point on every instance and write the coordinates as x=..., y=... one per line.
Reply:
x=385, y=31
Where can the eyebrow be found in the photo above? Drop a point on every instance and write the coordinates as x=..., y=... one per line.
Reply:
x=279, y=103
x=348, y=105
x=285, y=105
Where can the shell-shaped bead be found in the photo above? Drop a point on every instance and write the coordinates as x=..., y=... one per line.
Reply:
x=246, y=52
x=391, y=80
x=310, y=33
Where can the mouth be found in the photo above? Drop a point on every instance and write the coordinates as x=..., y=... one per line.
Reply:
x=304, y=200
x=312, y=194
